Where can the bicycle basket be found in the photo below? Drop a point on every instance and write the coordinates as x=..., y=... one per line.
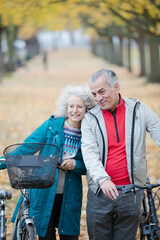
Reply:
x=28, y=167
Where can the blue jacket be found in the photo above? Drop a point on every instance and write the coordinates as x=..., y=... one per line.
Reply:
x=51, y=131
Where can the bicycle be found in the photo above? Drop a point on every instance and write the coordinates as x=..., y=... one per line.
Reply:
x=28, y=168
x=149, y=224
x=4, y=194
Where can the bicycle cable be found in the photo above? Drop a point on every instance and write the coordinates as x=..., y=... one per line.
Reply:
x=156, y=195
x=28, y=198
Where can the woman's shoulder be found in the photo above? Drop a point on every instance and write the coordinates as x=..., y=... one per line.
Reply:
x=56, y=122
x=53, y=118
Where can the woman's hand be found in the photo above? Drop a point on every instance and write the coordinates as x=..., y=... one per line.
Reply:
x=68, y=164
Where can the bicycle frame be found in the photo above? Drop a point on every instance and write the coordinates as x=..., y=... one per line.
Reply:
x=4, y=194
x=3, y=234
x=25, y=220
x=149, y=224
x=28, y=168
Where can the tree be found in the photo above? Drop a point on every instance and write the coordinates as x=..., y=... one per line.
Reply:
x=144, y=16
x=24, y=18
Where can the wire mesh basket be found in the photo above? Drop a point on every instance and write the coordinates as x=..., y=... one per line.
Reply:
x=29, y=166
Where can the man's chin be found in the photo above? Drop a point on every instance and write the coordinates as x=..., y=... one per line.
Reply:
x=104, y=107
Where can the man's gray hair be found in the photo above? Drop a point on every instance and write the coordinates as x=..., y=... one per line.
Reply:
x=110, y=76
x=83, y=92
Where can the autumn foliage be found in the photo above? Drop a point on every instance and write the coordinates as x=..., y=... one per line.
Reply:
x=27, y=99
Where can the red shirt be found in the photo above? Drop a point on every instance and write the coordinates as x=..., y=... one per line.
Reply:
x=116, y=166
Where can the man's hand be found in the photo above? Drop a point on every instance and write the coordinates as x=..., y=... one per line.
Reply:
x=109, y=189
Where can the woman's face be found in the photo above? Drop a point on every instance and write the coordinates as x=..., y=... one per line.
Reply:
x=76, y=110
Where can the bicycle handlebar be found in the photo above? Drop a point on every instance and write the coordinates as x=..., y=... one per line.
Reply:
x=2, y=159
x=149, y=186
x=131, y=187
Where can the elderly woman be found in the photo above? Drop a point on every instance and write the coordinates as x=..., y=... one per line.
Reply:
x=60, y=206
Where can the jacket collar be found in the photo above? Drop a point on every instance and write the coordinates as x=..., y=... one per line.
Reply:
x=95, y=110
x=129, y=102
x=57, y=122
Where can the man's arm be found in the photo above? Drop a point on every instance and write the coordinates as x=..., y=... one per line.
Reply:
x=91, y=153
x=152, y=123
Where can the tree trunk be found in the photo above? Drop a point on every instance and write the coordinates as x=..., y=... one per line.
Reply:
x=141, y=45
x=105, y=51
x=1, y=55
x=120, y=52
x=129, y=55
x=111, y=53
x=93, y=47
x=10, y=37
x=154, y=59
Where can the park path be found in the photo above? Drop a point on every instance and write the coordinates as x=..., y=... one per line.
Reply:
x=27, y=98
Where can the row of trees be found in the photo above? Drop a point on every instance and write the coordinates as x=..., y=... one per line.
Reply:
x=105, y=19
x=136, y=19
x=20, y=19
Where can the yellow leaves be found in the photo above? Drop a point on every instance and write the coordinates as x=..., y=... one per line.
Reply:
x=27, y=31
x=152, y=29
x=18, y=11
x=32, y=14
x=99, y=19
x=92, y=32
x=27, y=99
x=158, y=27
x=153, y=11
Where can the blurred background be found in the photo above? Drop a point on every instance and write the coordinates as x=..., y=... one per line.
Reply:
x=48, y=44
x=112, y=29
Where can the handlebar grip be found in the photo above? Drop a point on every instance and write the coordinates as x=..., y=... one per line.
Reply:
x=6, y=194
x=2, y=163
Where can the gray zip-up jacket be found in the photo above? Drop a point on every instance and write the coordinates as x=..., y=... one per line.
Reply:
x=95, y=146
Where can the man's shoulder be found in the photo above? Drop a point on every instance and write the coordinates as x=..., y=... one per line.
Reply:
x=141, y=108
x=130, y=102
x=95, y=110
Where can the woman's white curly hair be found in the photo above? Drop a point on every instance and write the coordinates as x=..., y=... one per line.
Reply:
x=62, y=103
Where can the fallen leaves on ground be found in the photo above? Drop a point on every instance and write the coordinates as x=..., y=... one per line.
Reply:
x=28, y=96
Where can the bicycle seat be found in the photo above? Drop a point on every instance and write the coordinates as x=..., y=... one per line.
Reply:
x=5, y=194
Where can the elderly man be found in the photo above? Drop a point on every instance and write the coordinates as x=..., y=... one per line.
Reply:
x=113, y=148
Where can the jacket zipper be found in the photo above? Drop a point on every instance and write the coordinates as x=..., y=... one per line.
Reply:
x=115, y=122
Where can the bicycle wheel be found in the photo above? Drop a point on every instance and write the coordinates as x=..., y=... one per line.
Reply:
x=141, y=224
x=157, y=235
x=144, y=233
x=29, y=233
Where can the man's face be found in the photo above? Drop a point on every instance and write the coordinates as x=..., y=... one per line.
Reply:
x=104, y=95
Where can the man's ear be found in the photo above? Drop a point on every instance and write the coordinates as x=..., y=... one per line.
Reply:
x=116, y=87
